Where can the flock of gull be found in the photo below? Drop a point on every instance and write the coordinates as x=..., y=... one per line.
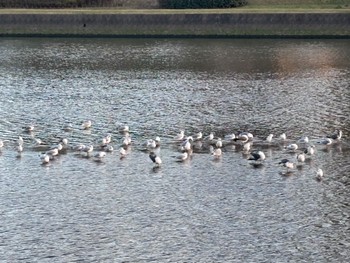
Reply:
x=185, y=145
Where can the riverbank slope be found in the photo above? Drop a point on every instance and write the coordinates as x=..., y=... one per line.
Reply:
x=245, y=22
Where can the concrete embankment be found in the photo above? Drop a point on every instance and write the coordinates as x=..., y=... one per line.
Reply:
x=178, y=25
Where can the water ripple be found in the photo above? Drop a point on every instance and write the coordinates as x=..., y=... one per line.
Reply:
x=202, y=210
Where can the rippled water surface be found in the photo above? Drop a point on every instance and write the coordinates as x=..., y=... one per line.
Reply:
x=203, y=209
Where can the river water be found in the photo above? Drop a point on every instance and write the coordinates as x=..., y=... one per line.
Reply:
x=201, y=210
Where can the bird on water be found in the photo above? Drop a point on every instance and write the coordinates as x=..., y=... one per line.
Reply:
x=155, y=159
x=286, y=163
x=257, y=156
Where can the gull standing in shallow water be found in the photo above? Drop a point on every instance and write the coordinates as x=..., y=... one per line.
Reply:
x=122, y=152
x=45, y=158
x=217, y=153
x=20, y=140
x=283, y=137
x=218, y=143
x=269, y=138
x=198, y=136
x=150, y=144
x=300, y=158
x=19, y=150
x=187, y=144
x=155, y=159
x=1, y=144
x=310, y=150
x=157, y=140
x=319, y=174
x=126, y=140
x=246, y=147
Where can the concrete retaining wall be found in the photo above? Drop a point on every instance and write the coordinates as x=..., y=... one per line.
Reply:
x=148, y=25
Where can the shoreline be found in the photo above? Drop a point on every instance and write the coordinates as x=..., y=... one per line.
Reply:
x=96, y=36
x=175, y=25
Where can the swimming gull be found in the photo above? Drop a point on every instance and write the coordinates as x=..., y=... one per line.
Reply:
x=257, y=156
x=336, y=135
x=303, y=139
x=99, y=156
x=124, y=128
x=242, y=137
x=325, y=141
x=248, y=134
x=28, y=128
x=180, y=136
x=292, y=147
x=182, y=157
x=210, y=137
x=286, y=163
x=108, y=148
x=230, y=137
x=68, y=127
x=52, y=152
x=88, y=149
x=86, y=124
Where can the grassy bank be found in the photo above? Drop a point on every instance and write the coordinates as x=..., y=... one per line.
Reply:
x=243, y=10
x=284, y=20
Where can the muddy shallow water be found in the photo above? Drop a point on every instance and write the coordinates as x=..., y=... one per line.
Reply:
x=200, y=210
